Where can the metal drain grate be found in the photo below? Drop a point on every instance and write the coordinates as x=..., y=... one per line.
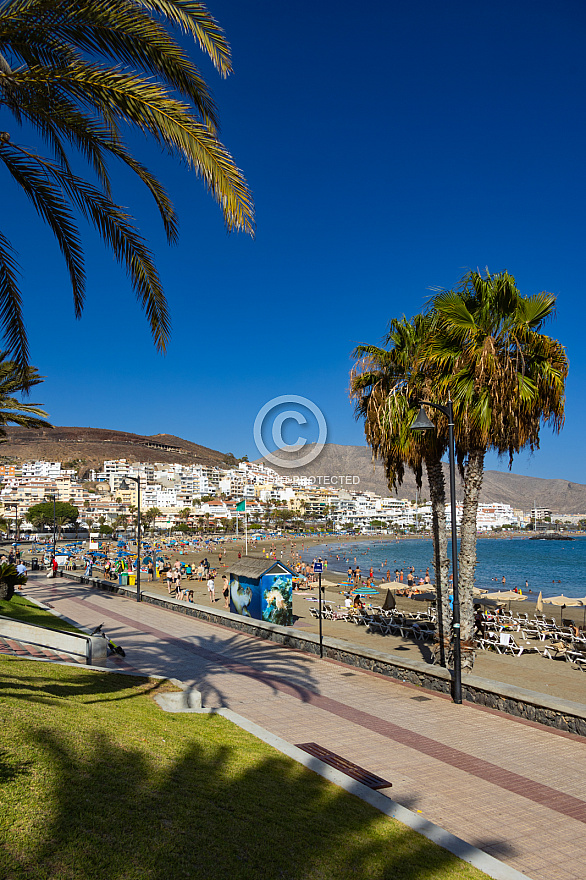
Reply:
x=347, y=767
x=421, y=699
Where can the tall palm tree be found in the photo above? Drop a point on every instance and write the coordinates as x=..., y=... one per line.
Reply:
x=506, y=380
x=81, y=76
x=149, y=518
x=386, y=385
x=14, y=381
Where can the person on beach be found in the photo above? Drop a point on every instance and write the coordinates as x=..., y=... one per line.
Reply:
x=211, y=589
x=226, y=591
x=479, y=625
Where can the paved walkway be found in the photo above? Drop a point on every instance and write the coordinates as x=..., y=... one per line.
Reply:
x=513, y=789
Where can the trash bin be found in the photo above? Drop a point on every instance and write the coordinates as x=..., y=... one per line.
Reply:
x=131, y=580
x=123, y=579
x=35, y=563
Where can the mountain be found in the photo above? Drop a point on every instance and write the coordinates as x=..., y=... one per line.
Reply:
x=334, y=461
x=86, y=448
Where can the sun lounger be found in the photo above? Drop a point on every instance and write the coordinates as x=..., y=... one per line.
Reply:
x=576, y=658
x=532, y=632
x=507, y=645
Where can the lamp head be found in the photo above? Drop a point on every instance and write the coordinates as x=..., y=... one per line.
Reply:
x=422, y=422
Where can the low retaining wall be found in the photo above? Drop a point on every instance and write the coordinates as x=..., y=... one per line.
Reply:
x=523, y=703
x=92, y=648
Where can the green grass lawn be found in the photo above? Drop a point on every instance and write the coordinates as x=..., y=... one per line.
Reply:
x=25, y=611
x=97, y=782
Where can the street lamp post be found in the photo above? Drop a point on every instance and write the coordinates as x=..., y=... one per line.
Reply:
x=15, y=505
x=423, y=423
x=124, y=485
x=54, y=525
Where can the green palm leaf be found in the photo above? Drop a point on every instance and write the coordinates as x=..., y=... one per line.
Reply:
x=81, y=73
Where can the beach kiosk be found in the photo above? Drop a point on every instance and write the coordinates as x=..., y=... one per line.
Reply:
x=262, y=589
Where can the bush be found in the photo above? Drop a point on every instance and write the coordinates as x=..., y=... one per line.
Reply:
x=9, y=579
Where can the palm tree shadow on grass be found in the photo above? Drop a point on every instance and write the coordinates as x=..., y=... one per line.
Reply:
x=212, y=811
x=44, y=689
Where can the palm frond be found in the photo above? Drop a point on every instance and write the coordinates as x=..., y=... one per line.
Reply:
x=193, y=18
x=33, y=176
x=11, y=318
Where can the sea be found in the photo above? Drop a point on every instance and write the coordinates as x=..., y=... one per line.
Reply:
x=552, y=567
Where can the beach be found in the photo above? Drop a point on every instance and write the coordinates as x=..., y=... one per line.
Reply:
x=551, y=677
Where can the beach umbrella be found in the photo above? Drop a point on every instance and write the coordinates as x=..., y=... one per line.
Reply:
x=506, y=596
x=484, y=600
x=539, y=603
x=563, y=602
x=390, y=603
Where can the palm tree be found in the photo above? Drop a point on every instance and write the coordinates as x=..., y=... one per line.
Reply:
x=14, y=381
x=149, y=518
x=60, y=521
x=80, y=76
x=506, y=379
x=386, y=385
x=121, y=522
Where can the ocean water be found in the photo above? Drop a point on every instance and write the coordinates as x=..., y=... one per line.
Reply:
x=554, y=567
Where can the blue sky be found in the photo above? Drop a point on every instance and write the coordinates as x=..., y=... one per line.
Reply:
x=390, y=147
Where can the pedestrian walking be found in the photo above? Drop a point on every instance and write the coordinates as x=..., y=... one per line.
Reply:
x=211, y=589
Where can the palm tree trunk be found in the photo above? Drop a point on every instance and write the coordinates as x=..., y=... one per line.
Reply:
x=437, y=489
x=467, y=556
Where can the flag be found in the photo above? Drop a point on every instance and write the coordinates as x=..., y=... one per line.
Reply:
x=241, y=506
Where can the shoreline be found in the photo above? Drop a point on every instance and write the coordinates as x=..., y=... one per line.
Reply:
x=529, y=596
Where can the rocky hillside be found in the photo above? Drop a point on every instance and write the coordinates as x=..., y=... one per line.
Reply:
x=521, y=492
x=86, y=448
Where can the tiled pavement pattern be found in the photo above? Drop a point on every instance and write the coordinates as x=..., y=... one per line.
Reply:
x=36, y=652
x=515, y=790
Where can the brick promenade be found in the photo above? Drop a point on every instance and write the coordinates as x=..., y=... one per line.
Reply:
x=511, y=788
